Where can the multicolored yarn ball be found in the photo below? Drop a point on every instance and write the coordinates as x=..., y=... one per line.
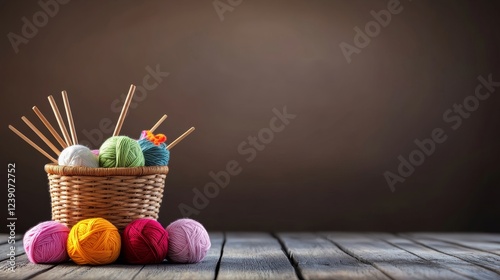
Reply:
x=46, y=243
x=94, y=241
x=154, y=155
x=188, y=241
x=144, y=241
x=78, y=155
x=120, y=151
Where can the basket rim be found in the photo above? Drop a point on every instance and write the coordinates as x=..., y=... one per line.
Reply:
x=52, y=168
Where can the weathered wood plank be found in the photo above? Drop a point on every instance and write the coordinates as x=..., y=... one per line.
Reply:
x=3, y=238
x=481, y=258
x=453, y=263
x=24, y=269
x=393, y=261
x=5, y=249
x=470, y=241
x=472, y=236
x=71, y=271
x=254, y=256
x=318, y=258
x=203, y=270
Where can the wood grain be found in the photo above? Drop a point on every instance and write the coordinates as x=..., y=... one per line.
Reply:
x=24, y=269
x=73, y=271
x=453, y=263
x=318, y=258
x=5, y=249
x=393, y=261
x=484, y=259
x=3, y=238
x=254, y=256
x=469, y=236
x=488, y=244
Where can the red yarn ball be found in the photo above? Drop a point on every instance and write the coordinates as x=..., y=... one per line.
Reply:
x=144, y=241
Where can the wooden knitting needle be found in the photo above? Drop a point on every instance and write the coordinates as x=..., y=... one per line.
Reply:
x=70, y=117
x=40, y=134
x=31, y=143
x=123, y=114
x=179, y=139
x=60, y=120
x=50, y=127
x=158, y=123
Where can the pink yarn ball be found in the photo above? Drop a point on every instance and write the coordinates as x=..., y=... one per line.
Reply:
x=188, y=241
x=144, y=241
x=46, y=242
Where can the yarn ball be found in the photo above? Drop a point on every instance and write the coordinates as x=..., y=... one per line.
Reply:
x=154, y=155
x=78, y=155
x=120, y=151
x=156, y=139
x=46, y=243
x=188, y=241
x=144, y=241
x=95, y=152
x=94, y=241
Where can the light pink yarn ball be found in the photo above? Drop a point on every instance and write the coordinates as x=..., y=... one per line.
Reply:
x=188, y=241
x=46, y=243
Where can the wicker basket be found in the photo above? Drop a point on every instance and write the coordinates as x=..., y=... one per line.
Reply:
x=119, y=195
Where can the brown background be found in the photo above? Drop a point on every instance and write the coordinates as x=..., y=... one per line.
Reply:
x=325, y=170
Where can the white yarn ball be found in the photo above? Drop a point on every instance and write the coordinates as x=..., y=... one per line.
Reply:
x=78, y=155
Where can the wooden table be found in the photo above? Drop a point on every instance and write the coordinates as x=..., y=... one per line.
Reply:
x=328, y=255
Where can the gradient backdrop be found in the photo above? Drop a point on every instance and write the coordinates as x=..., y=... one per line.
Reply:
x=228, y=69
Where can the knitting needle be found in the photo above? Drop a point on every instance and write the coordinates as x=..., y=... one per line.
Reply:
x=179, y=139
x=31, y=143
x=123, y=114
x=50, y=127
x=60, y=120
x=158, y=123
x=70, y=117
x=40, y=134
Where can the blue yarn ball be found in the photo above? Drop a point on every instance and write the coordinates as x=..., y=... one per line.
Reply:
x=154, y=155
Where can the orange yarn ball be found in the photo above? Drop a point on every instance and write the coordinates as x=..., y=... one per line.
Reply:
x=94, y=241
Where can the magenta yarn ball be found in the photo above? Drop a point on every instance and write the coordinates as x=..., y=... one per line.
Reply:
x=188, y=241
x=144, y=241
x=46, y=243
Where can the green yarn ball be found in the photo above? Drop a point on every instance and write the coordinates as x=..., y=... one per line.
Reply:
x=120, y=151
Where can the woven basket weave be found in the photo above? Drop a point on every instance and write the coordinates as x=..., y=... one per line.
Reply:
x=119, y=195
